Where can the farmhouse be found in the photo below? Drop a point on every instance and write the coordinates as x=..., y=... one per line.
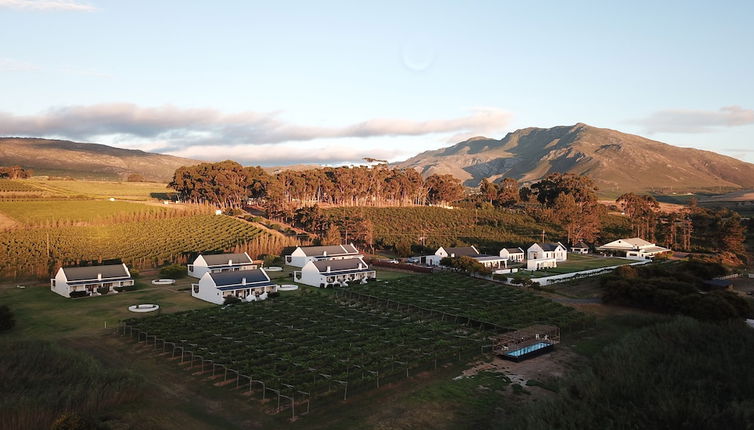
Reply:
x=247, y=285
x=90, y=280
x=635, y=248
x=491, y=261
x=327, y=273
x=216, y=263
x=305, y=254
x=547, y=251
x=580, y=248
x=513, y=254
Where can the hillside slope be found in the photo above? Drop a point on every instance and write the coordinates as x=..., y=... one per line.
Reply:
x=87, y=160
x=616, y=161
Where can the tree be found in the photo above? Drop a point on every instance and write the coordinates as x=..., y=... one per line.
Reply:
x=509, y=193
x=134, y=177
x=443, y=189
x=15, y=172
x=488, y=190
x=642, y=211
x=332, y=237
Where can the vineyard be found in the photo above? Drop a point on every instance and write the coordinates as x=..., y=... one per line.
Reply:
x=488, y=228
x=28, y=253
x=11, y=186
x=305, y=350
x=462, y=298
x=37, y=213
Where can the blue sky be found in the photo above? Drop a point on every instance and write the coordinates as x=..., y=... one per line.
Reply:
x=287, y=82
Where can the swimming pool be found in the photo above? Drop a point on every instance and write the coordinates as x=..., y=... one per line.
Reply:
x=527, y=349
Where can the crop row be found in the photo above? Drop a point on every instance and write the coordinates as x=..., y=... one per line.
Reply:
x=454, y=294
x=9, y=186
x=310, y=344
x=35, y=252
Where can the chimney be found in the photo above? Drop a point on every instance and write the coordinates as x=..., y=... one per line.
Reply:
x=243, y=281
x=99, y=276
x=328, y=269
x=230, y=262
x=324, y=253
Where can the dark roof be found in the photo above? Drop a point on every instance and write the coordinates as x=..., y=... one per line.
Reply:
x=549, y=246
x=237, y=277
x=222, y=259
x=580, y=245
x=340, y=265
x=108, y=271
x=515, y=250
x=331, y=250
x=465, y=251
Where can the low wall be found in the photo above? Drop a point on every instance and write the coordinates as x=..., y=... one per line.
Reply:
x=547, y=280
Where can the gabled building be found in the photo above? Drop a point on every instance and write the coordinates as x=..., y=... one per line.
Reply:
x=490, y=261
x=304, y=254
x=635, y=248
x=513, y=254
x=547, y=251
x=580, y=248
x=330, y=273
x=216, y=263
x=247, y=285
x=90, y=280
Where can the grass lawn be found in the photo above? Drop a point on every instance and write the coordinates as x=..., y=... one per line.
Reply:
x=579, y=262
x=42, y=314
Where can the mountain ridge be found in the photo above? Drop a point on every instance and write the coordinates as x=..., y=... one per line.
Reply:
x=615, y=160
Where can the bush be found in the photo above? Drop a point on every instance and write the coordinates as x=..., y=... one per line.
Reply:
x=231, y=300
x=273, y=260
x=103, y=290
x=174, y=271
x=75, y=294
x=7, y=319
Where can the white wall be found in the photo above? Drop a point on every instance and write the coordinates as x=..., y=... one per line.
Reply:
x=60, y=284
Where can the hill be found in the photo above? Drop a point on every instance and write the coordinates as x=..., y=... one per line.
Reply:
x=87, y=160
x=616, y=161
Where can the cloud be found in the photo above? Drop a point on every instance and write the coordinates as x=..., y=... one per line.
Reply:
x=695, y=121
x=202, y=133
x=48, y=5
x=13, y=65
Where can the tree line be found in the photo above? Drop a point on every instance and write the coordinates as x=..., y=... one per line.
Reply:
x=15, y=172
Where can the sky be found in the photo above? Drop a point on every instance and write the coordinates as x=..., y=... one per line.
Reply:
x=272, y=83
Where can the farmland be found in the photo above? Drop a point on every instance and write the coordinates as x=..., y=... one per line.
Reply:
x=13, y=186
x=64, y=212
x=307, y=348
x=28, y=253
x=468, y=298
x=488, y=228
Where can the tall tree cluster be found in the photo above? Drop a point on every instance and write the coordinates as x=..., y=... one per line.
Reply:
x=15, y=172
x=571, y=201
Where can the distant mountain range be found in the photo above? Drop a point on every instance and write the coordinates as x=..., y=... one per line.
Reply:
x=615, y=161
x=87, y=160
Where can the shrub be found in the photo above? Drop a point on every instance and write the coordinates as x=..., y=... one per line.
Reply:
x=273, y=260
x=231, y=300
x=174, y=271
x=75, y=294
x=7, y=319
x=103, y=290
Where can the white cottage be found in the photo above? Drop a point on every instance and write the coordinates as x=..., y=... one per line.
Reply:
x=90, y=280
x=305, y=254
x=513, y=254
x=635, y=248
x=580, y=248
x=248, y=285
x=547, y=251
x=490, y=261
x=328, y=273
x=216, y=263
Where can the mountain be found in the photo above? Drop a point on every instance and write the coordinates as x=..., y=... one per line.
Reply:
x=87, y=160
x=615, y=161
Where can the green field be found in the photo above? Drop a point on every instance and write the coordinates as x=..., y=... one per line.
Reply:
x=105, y=189
x=24, y=253
x=63, y=212
x=579, y=262
x=465, y=297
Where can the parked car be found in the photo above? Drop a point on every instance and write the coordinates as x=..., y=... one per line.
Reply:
x=393, y=261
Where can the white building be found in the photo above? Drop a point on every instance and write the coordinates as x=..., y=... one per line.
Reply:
x=541, y=263
x=216, y=263
x=580, y=248
x=305, y=254
x=248, y=285
x=547, y=251
x=489, y=261
x=635, y=248
x=86, y=281
x=328, y=273
x=513, y=254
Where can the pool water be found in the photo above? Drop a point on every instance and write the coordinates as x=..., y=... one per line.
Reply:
x=527, y=349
